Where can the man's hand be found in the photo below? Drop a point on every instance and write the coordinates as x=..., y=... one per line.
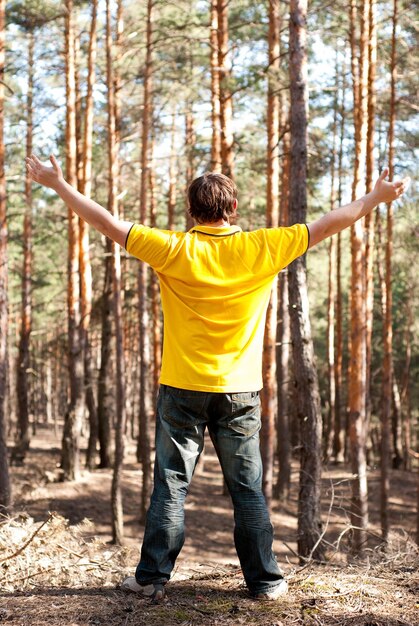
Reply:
x=87, y=209
x=339, y=219
x=387, y=192
x=42, y=174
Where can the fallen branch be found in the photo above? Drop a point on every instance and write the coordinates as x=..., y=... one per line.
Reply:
x=31, y=538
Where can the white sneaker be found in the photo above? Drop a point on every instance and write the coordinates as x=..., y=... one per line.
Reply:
x=275, y=593
x=154, y=591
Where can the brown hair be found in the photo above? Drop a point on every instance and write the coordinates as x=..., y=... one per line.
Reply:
x=211, y=198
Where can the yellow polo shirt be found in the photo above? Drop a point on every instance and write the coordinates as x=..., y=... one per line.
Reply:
x=215, y=285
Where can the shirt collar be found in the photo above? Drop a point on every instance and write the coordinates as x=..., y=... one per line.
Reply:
x=218, y=231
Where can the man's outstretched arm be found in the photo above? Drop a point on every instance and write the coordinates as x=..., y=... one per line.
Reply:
x=89, y=210
x=345, y=216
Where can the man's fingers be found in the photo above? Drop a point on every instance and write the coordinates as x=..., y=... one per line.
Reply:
x=400, y=186
x=35, y=158
x=54, y=163
x=30, y=171
x=384, y=174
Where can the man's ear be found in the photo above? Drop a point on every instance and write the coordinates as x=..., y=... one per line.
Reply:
x=235, y=204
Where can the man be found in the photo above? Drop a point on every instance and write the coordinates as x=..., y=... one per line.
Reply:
x=215, y=285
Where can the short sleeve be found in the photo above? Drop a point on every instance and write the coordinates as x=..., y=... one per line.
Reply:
x=151, y=245
x=286, y=243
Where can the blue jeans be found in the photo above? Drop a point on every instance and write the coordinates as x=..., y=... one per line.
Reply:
x=233, y=421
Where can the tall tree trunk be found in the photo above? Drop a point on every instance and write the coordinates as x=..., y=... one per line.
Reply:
x=171, y=200
x=5, y=486
x=357, y=381
x=331, y=299
x=104, y=402
x=396, y=422
x=283, y=484
x=79, y=113
x=216, y=164
x=86, y=293
x=226, y=102
x=308, y=398
x=388, y=303
x=369, y=219
x=22, y=444
x=339, y=421
x=404, y=394
x=144, y=444
x=269, y=392
x=154, y=283
x=113, y=168
x=74, y=414
x=190, y=154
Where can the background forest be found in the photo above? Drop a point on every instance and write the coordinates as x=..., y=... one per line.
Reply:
x=303, y=107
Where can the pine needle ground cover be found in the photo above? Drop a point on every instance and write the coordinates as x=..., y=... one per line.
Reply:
x=51, y=574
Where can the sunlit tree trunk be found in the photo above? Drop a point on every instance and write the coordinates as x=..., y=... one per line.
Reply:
x=307, y=388
x=269, y=392
x=104, y=402
x=171, y=200
x=388, y=302
x=79, y=114
x=404, y=394
x=144, y=443
x=113, y=168
x=215, y=92
x=283, y=484
x=74, y=414
x=5, y=486
x=154, y=283
x=357, y=381
x=339, y=420
x=85, y=266
x=226, y=103
x=331, y=298
x=22, y=444
x=189, y=153
x=369, y=219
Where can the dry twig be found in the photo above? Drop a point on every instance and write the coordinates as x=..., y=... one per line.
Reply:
x=31, y=538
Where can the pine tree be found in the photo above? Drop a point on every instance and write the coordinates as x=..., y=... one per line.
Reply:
x=5, y=486
x=305, y=374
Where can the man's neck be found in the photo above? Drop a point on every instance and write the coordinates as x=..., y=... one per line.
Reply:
x=219, y=224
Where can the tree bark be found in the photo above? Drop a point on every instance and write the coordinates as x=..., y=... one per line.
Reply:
x=86, y=292
x=339, y=420
x=22, y=445
x=113, y=169
x=357, y=381
x=226, y=102
x=405, y=395
x=331, y=298
x=171, y=201
x=369, y=219
x=269, y=391
x=388, y=301
x=5, y=485
x=74, y=415
x=216, y=163
x=190, y=154
x=144, y=443
x=283, y=484
x=154, y=283
x=308, y=398
x=104, y=404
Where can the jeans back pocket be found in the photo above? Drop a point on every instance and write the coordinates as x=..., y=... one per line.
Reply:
x=245, y=413
x=182, y=408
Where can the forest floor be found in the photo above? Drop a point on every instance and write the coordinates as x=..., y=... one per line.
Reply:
x=67, y=572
